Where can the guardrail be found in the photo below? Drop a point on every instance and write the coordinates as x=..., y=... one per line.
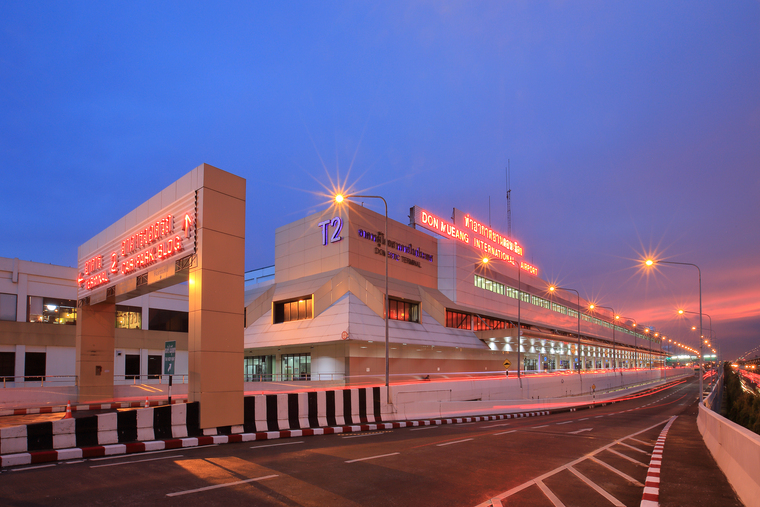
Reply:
x=39, y=381
x=735, y=448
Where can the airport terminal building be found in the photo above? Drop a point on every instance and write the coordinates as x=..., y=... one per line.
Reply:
x=318, y=313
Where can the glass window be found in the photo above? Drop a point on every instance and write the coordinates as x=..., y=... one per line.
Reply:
x=167, y=320
x=487, y=323
x=7, y=366
x=34, y=366
x=404, y=310
x=297, y=309
x=458, y=320
x=128, y=317
x=296, y=366
x=490, y=285
x=258, y=368
x=8, y=307
x=132, y=366
x=154, y=367
x=51, y=310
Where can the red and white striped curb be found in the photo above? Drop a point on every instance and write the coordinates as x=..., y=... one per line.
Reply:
x=86, y=407
x=651, y=496
x=33, y=458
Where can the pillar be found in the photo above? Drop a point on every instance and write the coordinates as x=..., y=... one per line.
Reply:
x=96, y=326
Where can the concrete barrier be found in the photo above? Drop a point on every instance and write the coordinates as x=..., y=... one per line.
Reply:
x=294, y=412
x=737, y=452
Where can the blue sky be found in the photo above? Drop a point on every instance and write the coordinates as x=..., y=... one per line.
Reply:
x=630, y=127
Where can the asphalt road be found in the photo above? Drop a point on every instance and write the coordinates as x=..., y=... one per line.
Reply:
x=586, y=458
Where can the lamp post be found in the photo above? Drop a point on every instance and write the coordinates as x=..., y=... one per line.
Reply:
x=618, y=317
x=552, y=288
x=652, y=262
x=682, y=311
x=614, y=358
x=339, y=199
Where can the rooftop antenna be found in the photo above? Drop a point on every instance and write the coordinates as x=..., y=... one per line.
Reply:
x=489, y=211
x=509, y=204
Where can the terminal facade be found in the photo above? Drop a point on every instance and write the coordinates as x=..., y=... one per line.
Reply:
x=318, y=313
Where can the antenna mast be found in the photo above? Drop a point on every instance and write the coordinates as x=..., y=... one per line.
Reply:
x=509, y=204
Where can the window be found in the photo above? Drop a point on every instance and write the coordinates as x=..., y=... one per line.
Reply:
x=258, y=368
x=128, y=317
x=296, y=366
x=132, y=366
x=488, y=323
x=458, y=320
x=296, y=309
x=404, y=310
x=154, y=367
x=167, y=320
x=8, y=307
x=490, y=285
x=51, y=310
x=34, y=366
x=530, y=364
x=512, y=292
x=7, y=366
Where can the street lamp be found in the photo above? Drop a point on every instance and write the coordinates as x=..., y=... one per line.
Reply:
x=552, y=288
x=485, y=261
x=614, y=356
x=635, y=347
x=339, y=199
x=652, y=262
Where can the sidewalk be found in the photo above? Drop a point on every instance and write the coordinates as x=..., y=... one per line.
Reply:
x=690, y=475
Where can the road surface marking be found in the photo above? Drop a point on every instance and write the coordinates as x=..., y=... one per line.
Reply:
x=135, y=461
x=276, y=445
x=454, y=442
x=614, y=501
x=551, y=496
x=505, y=432
x=628, y=458
x=636, y=449
x=566, y=422
x=366, y=434
x=648, y=444
x=217, y=486
x=621, y=474
x=496, y=425
x=465, y=424
x=424, y=428
x=119, y=456
x=536, y=480
x=542, y=426
x=372, y=457
x=597, y=417
x=32, y=468
x=583, y=419
x=580, y=431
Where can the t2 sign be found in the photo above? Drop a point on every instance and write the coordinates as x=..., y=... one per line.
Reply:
x=337, y=224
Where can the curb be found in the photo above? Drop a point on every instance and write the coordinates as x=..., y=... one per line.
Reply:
x=34, y=458
x=87, y=407
x=651, y=495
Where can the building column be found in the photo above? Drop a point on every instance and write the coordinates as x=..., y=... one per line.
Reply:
x=216, y=286
x=96, y=326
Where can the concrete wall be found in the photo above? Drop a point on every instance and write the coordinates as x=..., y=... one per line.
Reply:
x=737, y=452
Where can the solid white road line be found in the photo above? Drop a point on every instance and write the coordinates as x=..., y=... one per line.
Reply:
x=135, y=461
x=505, y=432
x=276, y=445
x=372, y=457
x=454, y=442
x=121, y=456
x=366, y=435
x=542, y=426
x=32, y=468
x=551, y=496
x=614, y=501
x=621, y=474
x=424, y=428
x=496, y=425
x=217, y=486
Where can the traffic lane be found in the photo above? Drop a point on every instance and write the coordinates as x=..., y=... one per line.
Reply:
x=288, y=462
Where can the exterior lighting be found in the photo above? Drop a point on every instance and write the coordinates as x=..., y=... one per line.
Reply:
x=339, y=198
x=553, y=288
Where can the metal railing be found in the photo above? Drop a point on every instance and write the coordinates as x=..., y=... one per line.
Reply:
x=38, y=381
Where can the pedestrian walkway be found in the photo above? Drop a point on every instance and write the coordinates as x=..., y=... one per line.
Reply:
x=689, y=474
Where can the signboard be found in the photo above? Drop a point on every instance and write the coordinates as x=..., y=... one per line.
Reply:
x=507, y=363
x=161, y=239
x=170, y=352
x=469, y=231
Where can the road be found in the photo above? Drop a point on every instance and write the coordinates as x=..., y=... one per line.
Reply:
x=587, y=458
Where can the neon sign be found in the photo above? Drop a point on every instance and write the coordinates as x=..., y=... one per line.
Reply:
x=469, y=231
x=150, y=244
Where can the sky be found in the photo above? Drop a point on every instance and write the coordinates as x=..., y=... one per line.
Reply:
x=631, y=128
